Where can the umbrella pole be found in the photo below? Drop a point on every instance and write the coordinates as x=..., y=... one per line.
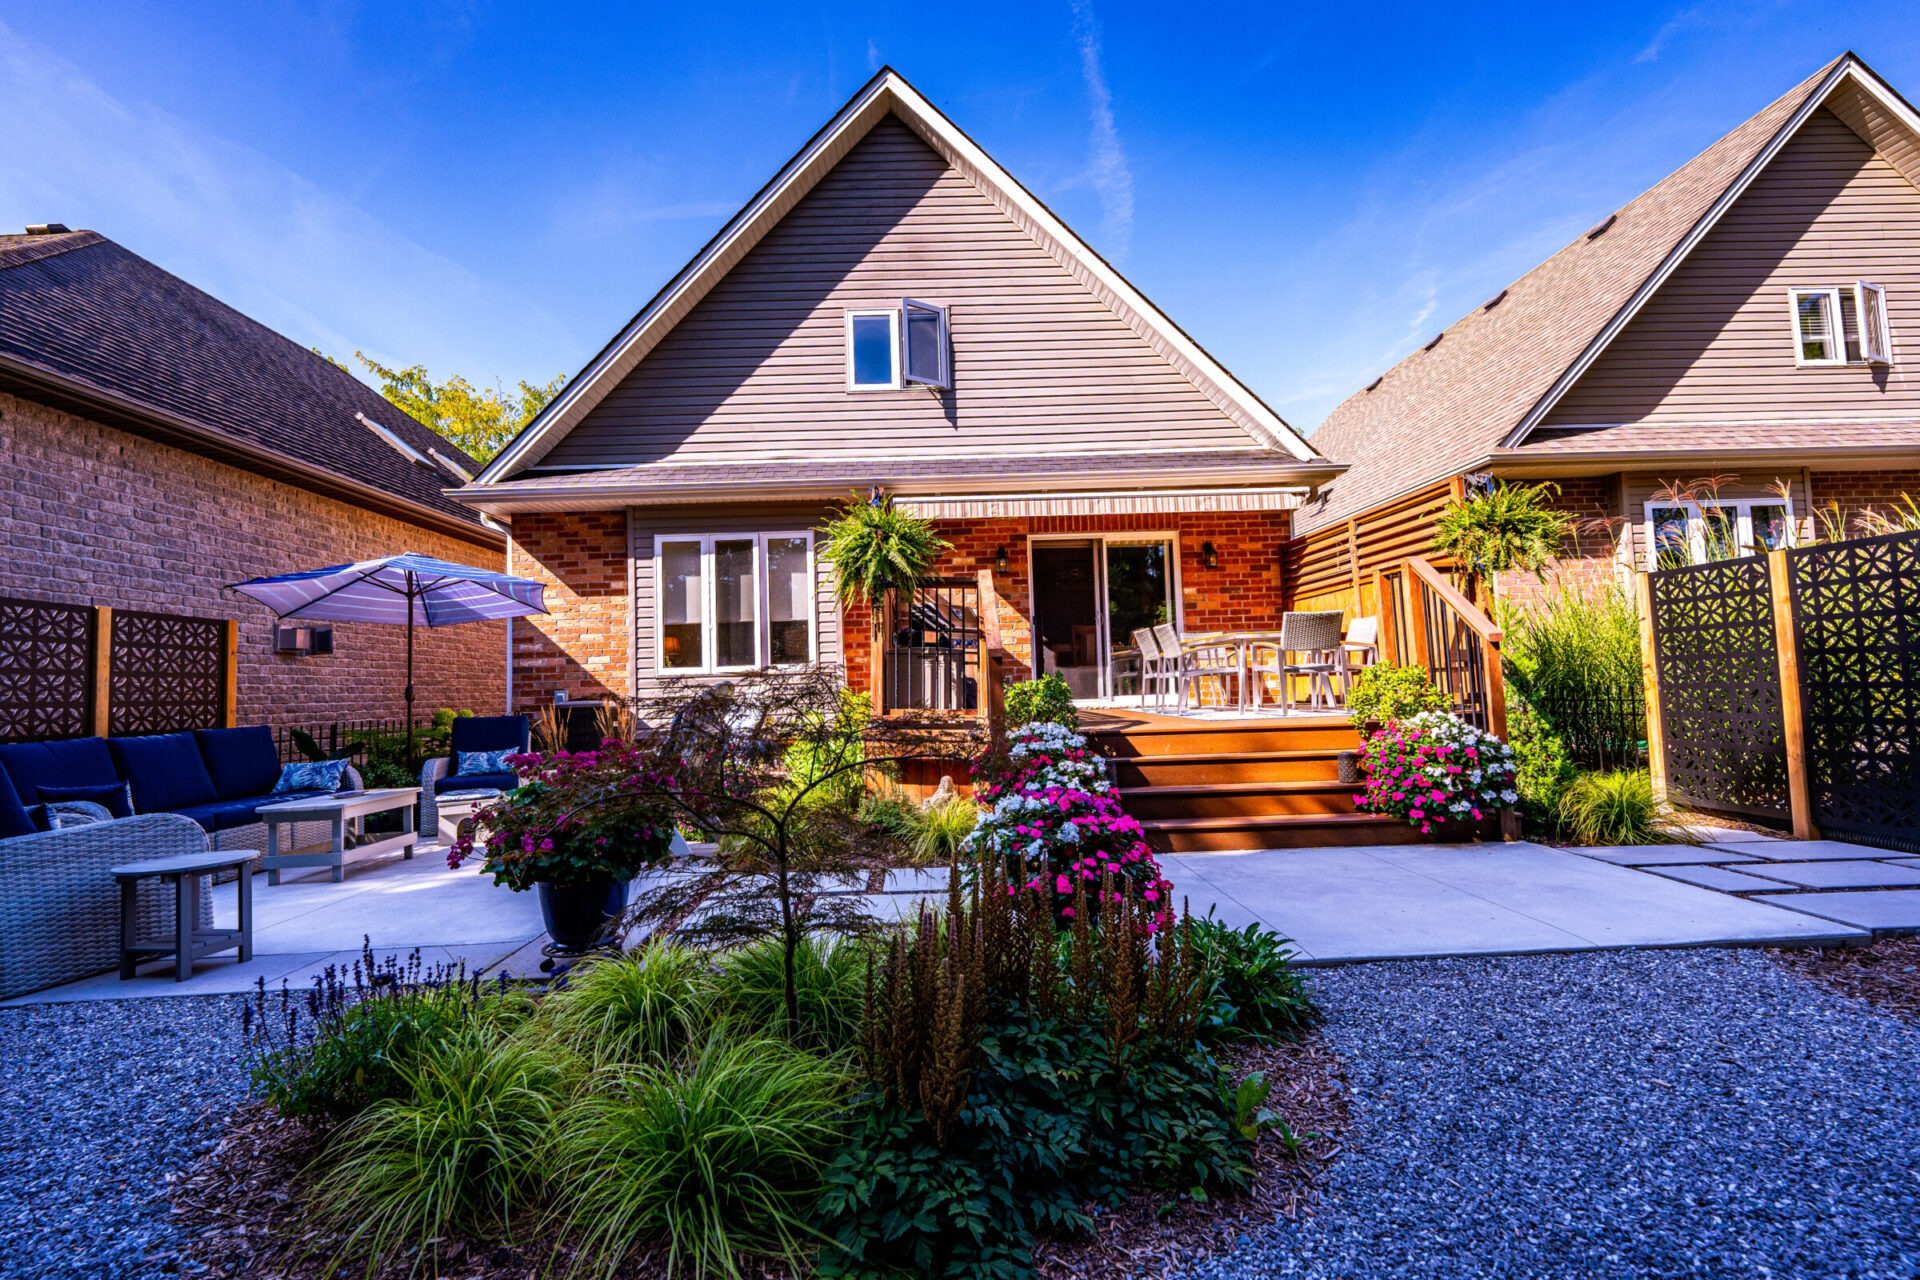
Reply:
x=410, y=760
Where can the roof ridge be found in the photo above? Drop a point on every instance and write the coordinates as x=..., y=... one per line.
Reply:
x=16, y=251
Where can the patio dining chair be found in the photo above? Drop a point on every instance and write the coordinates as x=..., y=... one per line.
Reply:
x=1191, y=664
x=1315, y=637
x=1360, y=649
x=1156, y=669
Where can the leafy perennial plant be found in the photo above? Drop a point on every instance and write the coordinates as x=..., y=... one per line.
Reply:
x=1434, y=768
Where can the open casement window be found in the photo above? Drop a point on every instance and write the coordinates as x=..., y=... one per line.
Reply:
x=1870, y=312
x=929, y=354
x=733, y=601
x=1819, y=338
x=1683, y=533
x=873, y=350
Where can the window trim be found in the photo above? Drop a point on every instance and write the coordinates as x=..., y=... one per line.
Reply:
x=709, y=602
x=1881, y=350
x=893, y=332
x=1836, y=328
x=1742, y=509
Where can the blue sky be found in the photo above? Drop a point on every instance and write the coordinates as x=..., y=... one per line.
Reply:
x=490, y=189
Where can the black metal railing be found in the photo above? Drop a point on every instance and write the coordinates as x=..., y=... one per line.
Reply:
x=932, y=658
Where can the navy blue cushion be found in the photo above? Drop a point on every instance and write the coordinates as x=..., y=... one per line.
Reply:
x=42, y=818
x=224, y=815
x=166, y=771
x=242, y=762
x=490, y=733
x=475, y=782
x=115, y=797
x=14, y=819
x=77, y=762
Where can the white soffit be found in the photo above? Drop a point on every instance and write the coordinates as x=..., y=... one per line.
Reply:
x=887, y=93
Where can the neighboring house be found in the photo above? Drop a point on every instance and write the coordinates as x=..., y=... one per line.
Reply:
x=893, y=311
x=1755, y=316
x=156, y=445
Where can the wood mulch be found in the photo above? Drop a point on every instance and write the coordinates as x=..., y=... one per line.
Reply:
x=242, y=1207
x=1886, y=974
x=1160, y=1235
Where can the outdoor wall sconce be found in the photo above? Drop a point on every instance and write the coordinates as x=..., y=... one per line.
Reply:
x=1000, y=559
x=1209, y=558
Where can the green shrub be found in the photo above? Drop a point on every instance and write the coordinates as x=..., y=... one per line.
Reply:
x=829, y=976
x=894, y=818
x=1615, y=808
x=1048, y=699
x=1543, y=767
x=1386, y=691
x=462, y=1149
x=941, y=829
x=1050, y=1124
x=1256, y=991
x=1576, y=661
x=643, y=1006
x=720, y=1158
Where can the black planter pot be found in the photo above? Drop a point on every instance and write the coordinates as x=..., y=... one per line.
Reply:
x=578, y=914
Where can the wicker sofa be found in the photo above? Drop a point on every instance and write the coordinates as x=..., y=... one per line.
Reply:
x=59, y=904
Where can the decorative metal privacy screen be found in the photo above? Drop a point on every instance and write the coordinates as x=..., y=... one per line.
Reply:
x=46, y=670
x=1726, y=746
x=169, y=673
x=1856, y=621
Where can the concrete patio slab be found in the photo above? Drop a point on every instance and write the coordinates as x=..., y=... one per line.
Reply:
x=918, y=880
x=1663, y=855
x=1888, y=910
x=1841, y=875
x=213, y=976
x=1720, y=878
x=1448, y=900
x=1802, y=850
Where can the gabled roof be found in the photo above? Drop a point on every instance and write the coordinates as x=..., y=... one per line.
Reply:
x=93, y=328
x=1489, y=378
x=889, y=94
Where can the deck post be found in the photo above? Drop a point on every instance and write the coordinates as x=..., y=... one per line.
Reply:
x=1793, y=716
x=880, y=611
x=1650, y=680
x=102, y=673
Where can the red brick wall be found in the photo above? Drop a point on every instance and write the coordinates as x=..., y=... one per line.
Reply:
x=1855, y=491
x=581, y=646
x=1593, y=502
x=92, y=515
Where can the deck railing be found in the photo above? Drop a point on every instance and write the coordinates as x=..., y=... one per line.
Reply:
x=1426, y=622
x=937, y=652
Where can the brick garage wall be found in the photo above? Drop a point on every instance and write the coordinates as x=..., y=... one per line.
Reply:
x=1593, y=502
x=92, y=515
x=1858, y=491
x=581, y=647
x=1245, y=591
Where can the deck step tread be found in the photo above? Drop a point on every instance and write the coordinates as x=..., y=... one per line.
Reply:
x=1308, y=786
x=1232, y=757
x=1271, y=820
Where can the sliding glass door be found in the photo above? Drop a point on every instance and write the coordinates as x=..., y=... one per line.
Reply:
x=1089, y=596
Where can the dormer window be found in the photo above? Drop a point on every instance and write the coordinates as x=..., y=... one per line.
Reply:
x=873, y=350
x=888, y=349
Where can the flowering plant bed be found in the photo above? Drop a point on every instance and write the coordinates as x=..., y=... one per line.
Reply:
x=1436, y=771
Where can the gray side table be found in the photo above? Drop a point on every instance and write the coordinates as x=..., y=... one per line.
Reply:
x=189, y=942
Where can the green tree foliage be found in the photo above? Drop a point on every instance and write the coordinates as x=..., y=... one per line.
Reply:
x=481, y=420
x=1510, y=526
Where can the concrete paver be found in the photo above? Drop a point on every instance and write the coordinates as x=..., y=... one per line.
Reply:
x=1804, y=850
x=1664, y=855
x=1841, y=874
x=1721, y=878
x=1874, y=909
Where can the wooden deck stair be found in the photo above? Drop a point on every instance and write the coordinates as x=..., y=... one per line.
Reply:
x=1238, y=784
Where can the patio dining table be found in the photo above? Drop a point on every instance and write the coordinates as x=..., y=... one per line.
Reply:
x=1243, y=643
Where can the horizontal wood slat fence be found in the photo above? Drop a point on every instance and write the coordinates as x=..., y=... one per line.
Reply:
x=70, y=671
x=1334, y=567
x=1786, y=687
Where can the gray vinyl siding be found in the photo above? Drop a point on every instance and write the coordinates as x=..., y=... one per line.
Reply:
x=757, y=369
x=1716, y=342
x=644, y=524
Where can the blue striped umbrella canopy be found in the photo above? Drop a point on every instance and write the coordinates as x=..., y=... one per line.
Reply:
x=412, y=589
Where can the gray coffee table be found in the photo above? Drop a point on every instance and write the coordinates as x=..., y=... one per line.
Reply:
x=340, y=811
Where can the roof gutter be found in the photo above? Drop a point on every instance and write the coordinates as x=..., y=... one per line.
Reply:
x=85, y=399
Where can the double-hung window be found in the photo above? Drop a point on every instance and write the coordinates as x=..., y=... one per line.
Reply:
x=733, y=601
x=1680, y=533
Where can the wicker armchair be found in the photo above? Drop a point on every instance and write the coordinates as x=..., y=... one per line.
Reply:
x=60, y=907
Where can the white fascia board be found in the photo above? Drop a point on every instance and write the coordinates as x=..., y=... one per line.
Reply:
x=1848, y=68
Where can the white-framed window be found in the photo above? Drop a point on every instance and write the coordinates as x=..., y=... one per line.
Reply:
x=1818, y=335
x=1870, y=312
x=926, y=350
x=1681, y=533
x=873, y=350
x=733, y=601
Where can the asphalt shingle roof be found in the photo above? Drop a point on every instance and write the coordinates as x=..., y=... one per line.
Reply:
x=91, y=313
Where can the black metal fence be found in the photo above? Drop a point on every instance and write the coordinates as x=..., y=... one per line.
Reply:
x=1719, y=675
x=1599, y=732
x=352, y=737
x=1856, y=621
x=934, y=648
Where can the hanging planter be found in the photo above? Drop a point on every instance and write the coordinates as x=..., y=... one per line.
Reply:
x=874, y=548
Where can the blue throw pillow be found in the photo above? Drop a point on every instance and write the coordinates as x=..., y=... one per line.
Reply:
x=43, y=818
x=484, y=761
x=316, y=775
x=116, y=798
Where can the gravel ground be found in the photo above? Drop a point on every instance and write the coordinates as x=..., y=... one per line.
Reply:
x=1662, y=1113
x=98, y=1103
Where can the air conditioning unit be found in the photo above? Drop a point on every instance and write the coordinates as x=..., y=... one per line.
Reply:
x=302, y=641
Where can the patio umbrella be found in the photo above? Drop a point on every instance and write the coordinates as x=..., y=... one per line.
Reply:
x=413, y=589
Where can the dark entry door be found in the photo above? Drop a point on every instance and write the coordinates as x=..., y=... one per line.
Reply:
x=1066, y=614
